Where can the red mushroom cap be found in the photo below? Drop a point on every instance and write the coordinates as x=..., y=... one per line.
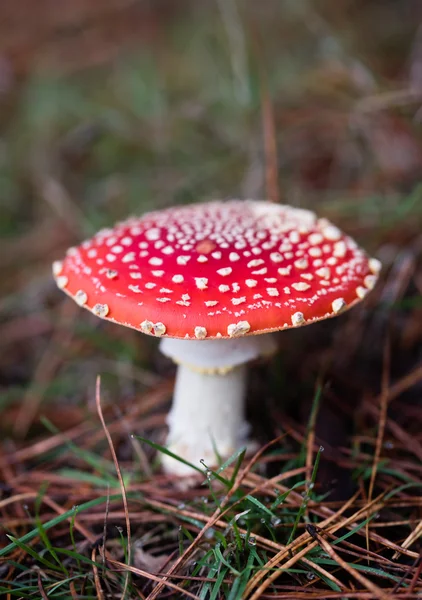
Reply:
x=220, y=269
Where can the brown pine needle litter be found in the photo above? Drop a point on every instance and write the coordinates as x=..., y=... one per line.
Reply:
x=126, y=107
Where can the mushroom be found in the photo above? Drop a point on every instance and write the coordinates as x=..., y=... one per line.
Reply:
x=213, y=280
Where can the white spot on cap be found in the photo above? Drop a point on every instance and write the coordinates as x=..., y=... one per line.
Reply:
x=183, y=302
x=129, y=257
x=157, y=273
x=57, y=267
x=177, y=278
x=62, y=281
x=315, y=239
x=375, y=265
x=111, y=257
x=211, y=302
x=135, y=275
x=183, y=260
x=340, y=249
x=240, y=300
x=276, y=257
x=163, y=300
x=200, y=333
x=168, y=250
x=338, y=304
x=81, y=297
x=117, y=249
x=298, y=319
x=202, y=258
x=251, y=282
x=370, y=281
x=301, y=286
x=201, y=283
x=146, y=326
x=233, y=256
x=285, y=271
x=101, y=310
x=260, y=271
x=323, y=272
x=238, y=329
x=361, y=292
x=331, y=233
x=216, y=255
x=223, y=288
x=157, y=262
x=159, y=329
x=111, y=274
x=301, y=263
x=135, y=288
x=272, y=291
x=255, y=263
x=225, y=271
x=150, y=285
x=315, y=251
x=152, y=234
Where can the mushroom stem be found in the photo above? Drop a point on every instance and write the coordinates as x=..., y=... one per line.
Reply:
x=208, y=416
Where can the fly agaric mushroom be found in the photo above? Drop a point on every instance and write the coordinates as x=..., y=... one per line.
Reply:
x=213, y=280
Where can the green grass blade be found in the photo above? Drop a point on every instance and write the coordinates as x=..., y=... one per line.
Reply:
x=168, y=452
x=35, y=555
x=56, y=521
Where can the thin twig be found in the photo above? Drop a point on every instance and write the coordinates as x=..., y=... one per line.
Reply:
x=41, y=588
x=98, y=588
x=372, y=587
x=122, y=483
x=268, y=123
x=381, y=427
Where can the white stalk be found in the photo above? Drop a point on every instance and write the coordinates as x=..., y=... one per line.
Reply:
x=208, y=414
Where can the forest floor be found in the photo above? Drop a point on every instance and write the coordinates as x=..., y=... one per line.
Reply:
x=331, y=504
